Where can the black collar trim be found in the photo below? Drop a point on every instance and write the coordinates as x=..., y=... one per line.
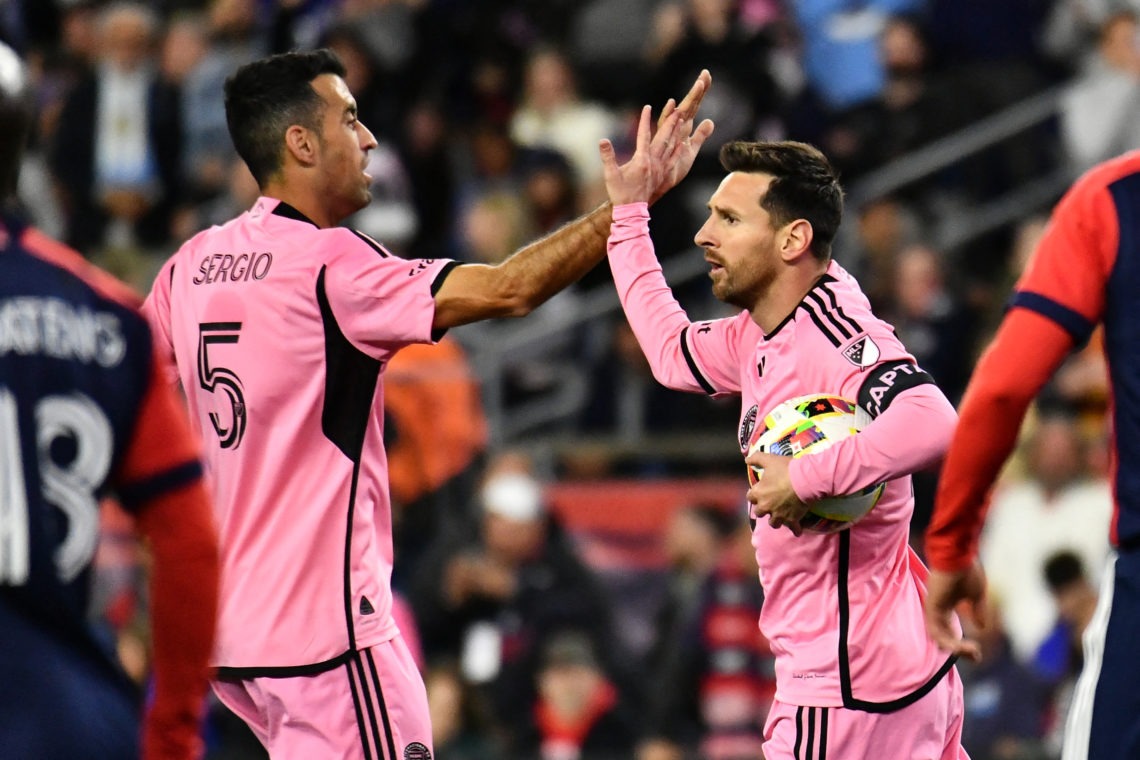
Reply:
x=287, y=211
x=823, y=280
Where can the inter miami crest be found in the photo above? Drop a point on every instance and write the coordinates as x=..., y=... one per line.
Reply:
x=416, y=751
x=747, y=425
x=863, y=352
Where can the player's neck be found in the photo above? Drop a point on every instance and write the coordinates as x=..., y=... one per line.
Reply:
x=784, y=294
x=303, y=200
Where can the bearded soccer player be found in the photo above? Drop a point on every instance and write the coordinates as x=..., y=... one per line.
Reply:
x=1085, y=271
x=856, y=676
x=281, y=323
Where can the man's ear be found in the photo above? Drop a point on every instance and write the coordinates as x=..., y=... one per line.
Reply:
x=301, y=144
x=795, y=239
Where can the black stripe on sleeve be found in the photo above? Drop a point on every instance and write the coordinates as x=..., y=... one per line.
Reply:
x=705, y=384
x=1071, y=321
x=447, y=269
x=136, y=494
x=839, y=310
x=371, y=243
x=436, y=284
x=819, y=323
x=823, y=308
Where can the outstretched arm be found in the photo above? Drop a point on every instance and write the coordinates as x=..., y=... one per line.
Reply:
x=532, y=275
x=657, y=320
x=1027, y=350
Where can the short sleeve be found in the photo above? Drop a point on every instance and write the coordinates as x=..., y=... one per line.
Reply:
x=381, y=301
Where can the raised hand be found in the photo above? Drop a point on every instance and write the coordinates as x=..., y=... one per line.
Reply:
x=660, y=160
x=689, y=140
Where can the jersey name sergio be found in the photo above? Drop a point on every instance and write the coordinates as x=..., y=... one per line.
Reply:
x=227, y=267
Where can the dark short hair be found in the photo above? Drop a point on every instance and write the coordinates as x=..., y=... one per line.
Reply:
x=1062, y=569
x=267, y=96
x=804, y=185
x=16, y=113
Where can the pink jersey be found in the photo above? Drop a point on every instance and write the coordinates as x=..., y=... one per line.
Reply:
x=280, y=331
x=843, y=612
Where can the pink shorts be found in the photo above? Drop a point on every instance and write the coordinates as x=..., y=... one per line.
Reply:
x=374, y=707
x=929, y=729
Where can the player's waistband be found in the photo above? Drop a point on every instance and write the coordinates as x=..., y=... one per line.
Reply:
x=282, y=671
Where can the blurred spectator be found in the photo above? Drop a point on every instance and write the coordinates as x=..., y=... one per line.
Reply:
x=1061, y=656
x=625, y=401
x=578, y=713
x=870, y=247
x=553, y=115
x=493, y=226
x=693, y=541
x=549, y=189
x=1072, y=26
x=231, y=35
x=711, y=694
x=912, y=107
x=1006, y=703
x=982, y=31
x=1055, y=507
x=493, y=598
x=601, y=39
x=117, y=148
x=930, y=320
x=744, y=102
x=435, y=434
x=425, y=141
x=841, y=39
x=461, y=726
x=1101, y=111
x=938, y=330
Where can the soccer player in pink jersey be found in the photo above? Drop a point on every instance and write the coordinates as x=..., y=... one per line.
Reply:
x=856, y=675
x=280, y=324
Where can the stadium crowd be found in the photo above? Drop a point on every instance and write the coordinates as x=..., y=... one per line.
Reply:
x=488, y=115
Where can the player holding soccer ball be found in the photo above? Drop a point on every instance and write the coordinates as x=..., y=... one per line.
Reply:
x=857, y=676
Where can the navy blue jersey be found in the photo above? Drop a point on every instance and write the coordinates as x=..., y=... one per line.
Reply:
x=75, y=366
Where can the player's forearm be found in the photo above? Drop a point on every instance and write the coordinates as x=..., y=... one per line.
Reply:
x=1026, y=351
x=910, y=435
x=184, y=598
x=654, y=315
x=548, y=265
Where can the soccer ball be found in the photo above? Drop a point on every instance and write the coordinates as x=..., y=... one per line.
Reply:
x=809, y=425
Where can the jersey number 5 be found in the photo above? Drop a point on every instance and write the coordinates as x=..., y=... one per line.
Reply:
x=76, y=420
x=218, y=378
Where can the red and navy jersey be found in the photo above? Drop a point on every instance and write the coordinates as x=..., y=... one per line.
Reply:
x=84, y=412
x=1085, y=272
